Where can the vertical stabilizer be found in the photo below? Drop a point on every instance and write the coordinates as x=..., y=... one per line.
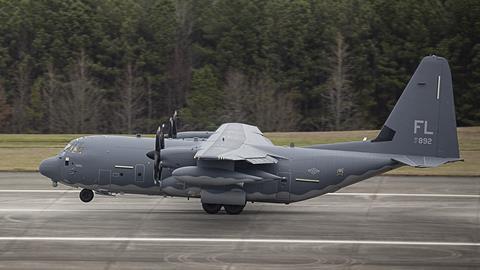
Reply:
x=422, y=122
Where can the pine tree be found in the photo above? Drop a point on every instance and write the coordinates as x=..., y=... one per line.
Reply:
x=205, y=101
x=5, y=109
x=338, y=92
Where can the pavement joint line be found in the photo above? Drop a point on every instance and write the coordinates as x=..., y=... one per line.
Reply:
x=404, y=194
x=71, y=210
x=39, y=191
x=328, y=194
x=239, y=240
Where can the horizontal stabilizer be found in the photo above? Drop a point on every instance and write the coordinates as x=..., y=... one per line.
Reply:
x=424, y=161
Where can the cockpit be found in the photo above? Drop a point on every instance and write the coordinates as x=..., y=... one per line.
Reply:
x=76, y=146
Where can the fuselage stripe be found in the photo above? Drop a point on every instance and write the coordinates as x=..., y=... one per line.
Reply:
x=438, y=87
x=307, y=180
x=123, y=167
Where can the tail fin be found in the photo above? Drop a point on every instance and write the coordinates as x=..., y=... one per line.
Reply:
x=422, y=122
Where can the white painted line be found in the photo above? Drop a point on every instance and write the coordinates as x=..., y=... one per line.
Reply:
x=123, y=167
x=328, y=194
x=90, y=210
x=405, y=195
x=53, y=210
x=239, y=240
x=438, y=87
x=39, y=190
x=307, y=180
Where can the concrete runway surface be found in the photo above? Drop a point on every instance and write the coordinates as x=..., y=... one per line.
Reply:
x=383, y=222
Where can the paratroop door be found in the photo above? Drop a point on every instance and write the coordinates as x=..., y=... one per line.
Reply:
x=104, y=178
x=139, y=172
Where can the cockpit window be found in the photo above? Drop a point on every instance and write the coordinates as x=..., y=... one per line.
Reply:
x=67, y=148
x=75, y=146
x=78, y=148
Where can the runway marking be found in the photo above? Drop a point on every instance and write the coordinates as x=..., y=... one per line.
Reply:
x=239, y=240
x=39, y=191
x=56, y=210
x=404, y=194
x=328, y=194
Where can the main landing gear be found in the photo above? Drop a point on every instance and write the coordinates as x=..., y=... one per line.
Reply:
x=233, y=209
x=86, y=195
x=215, y=208
x=211, y=208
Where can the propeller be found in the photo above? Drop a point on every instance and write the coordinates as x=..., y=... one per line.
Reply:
x=159, y=145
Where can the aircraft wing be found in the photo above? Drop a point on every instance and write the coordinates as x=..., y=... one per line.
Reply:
x=234, y=141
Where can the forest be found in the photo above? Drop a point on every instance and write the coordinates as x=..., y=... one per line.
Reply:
x=124, y=66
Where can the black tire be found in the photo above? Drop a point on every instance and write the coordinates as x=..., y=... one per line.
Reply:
x=211, y=208
x=233, y=209
x=86, y=195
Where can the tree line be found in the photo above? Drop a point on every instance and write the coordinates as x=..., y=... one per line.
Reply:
x=123, y=66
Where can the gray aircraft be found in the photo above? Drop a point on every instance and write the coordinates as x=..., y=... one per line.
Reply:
x=236, y=163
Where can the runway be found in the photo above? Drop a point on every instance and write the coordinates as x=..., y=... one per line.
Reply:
x=383, y=222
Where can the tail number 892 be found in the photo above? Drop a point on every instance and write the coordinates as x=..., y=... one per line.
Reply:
x=422, y=140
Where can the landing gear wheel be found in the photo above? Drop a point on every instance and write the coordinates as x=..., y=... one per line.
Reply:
x=233, y=209
x=211, y=208
x=86, y=195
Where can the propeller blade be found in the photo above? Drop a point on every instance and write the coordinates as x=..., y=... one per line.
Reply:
x=156, y=166
x=174, y=125
x=157, y=139
x=159, y=145
x=159, y=177
x=162, y=137
x=170, y=130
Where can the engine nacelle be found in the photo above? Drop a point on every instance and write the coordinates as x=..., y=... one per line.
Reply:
x=176, y=157
x=194, y=134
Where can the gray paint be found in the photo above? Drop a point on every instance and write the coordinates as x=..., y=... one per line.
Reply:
x=435, y=118
x=237, y=163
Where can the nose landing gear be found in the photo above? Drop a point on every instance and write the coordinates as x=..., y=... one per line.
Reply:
x=86, y=195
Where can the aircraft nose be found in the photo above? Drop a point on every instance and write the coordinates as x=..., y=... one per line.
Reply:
x=49, y=168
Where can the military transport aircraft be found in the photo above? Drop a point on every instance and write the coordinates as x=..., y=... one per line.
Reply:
x=236, y=163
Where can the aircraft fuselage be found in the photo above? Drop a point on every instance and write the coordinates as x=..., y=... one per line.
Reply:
x=118, y=164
